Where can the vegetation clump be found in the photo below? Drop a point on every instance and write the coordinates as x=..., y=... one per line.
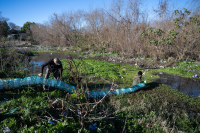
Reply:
x=122, y=30
x=155, y=108
x=14, y=63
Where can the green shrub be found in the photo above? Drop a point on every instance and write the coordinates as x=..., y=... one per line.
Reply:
x=14, y=63
x=187, y=125
x=3, y=39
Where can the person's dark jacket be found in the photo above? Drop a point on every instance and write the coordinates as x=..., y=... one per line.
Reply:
x=52, y=66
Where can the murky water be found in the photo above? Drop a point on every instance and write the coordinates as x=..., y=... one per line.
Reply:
x=186, y=85
x=189, y=86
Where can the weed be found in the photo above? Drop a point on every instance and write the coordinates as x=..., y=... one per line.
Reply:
x=155, y=108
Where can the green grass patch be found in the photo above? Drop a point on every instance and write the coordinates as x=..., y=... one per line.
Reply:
x=30, y=100
x=162, y=106
x=109, y=71
x=155, y=108
x=184, y=69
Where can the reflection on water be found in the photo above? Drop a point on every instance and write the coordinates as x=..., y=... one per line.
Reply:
x=186, y=85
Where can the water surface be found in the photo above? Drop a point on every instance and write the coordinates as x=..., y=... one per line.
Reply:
x=41, y=58
x=189, y=86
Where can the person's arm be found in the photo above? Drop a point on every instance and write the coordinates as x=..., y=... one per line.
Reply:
x=141, y=80
x=61, y=70
x=43, y=65
x=60, y=77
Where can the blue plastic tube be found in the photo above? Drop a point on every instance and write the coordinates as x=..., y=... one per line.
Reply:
x=18, y=82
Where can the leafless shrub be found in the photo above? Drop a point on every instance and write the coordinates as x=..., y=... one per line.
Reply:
x=119, y=30
x=78, y=106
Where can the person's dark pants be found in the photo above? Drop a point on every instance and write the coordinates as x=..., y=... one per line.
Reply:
x=55, y=74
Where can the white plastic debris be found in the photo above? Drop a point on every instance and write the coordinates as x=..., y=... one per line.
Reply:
x=79, y=112
x=6, y=130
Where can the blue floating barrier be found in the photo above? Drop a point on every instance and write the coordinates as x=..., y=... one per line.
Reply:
x=32, y=80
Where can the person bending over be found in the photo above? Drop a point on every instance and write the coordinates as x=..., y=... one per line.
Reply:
x=137, y=78
x=53, y=65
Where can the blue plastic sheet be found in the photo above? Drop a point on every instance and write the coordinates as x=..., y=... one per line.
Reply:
x=93, y=127
x=51, y=122
x=18, y=82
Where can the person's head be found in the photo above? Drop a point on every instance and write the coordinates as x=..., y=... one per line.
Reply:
x=57, y=61
x=140, y=74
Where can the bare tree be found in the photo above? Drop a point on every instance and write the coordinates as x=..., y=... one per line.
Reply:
x=162, y=8
x=118, y=29
x=3, y=18
x=194, y=5
x=96, y=22
x=14, y=26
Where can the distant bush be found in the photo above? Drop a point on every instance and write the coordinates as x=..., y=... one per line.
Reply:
x=14, y=63
x=3, y=39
